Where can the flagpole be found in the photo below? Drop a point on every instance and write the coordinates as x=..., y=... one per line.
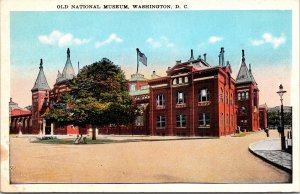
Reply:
x=137, y=60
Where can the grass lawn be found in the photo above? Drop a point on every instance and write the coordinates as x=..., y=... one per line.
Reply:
x=71, y=141
x=242, y=134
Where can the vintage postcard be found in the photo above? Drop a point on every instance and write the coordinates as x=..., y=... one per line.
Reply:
x=150, y=96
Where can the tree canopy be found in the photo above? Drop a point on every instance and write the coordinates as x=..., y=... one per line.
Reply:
x=98, y=96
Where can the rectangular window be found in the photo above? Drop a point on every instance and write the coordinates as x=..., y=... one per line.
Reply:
x=160, y=101
x=180, y=80
x=180, y=120
x=180, y=98
x=132, y=88
x=239, y=96
x=186, y=79
x=204, y=120
x=204, y=95
x=247, y=95
x=243, y=95
x=160, y=121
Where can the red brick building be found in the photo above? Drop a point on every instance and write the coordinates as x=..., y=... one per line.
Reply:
x=247, y=94
x=263, y=111
x=193, y=99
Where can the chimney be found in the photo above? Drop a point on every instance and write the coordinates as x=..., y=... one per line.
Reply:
x=221, y=57
x=153, y=73
x=199, y=57
x=178, y=62
x=192, y=55
x=204, y=55
x=169, y=68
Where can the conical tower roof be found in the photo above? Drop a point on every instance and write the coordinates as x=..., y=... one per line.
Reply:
x=68, y=72
x=41, y=81
x=244, y=74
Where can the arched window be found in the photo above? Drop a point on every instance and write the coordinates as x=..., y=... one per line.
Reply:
x=174, y=81
x=221, y=95
x=226, y=97
x=222, y=119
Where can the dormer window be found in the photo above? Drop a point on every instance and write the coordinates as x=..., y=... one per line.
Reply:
x=180, y=80
x=174, y=81
x=186, y=79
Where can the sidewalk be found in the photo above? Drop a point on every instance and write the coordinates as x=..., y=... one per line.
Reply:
x=123, y=137
x=270, y=151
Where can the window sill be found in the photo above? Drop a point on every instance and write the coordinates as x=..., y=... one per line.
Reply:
x=160, y=107
x=207, y=127
x=204, y=103
x=181, y=105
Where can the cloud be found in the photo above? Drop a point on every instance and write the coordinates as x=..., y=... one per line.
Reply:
x=61, y=39
x=269, y=38
x=161, y=42
x=215, y=39
x=112, y=38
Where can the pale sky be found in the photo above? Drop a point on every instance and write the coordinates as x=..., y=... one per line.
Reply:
x=163, y=36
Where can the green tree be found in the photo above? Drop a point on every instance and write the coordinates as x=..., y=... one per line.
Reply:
x=98, y=97
x=273, y=119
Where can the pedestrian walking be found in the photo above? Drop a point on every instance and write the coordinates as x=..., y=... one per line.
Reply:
x=267, y=131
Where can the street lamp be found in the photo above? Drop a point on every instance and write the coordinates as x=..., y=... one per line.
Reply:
x=280, y=93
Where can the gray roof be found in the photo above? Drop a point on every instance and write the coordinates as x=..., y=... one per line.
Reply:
x=41, y=81
x=244, y=74
x=68, y=72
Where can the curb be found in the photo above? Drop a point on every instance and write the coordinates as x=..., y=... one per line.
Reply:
x=267, y=160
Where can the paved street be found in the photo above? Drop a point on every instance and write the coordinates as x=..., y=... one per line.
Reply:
x=224, y=160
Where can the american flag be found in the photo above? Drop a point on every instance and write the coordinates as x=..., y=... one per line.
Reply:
x=142, y=57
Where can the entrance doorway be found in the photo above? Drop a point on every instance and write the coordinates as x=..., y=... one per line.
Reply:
x=48, y=128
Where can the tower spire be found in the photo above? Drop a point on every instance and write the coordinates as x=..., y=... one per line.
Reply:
x=68, y=53
x=41, y=81
x=243, y=55
x=68, y=71
x=41, y=64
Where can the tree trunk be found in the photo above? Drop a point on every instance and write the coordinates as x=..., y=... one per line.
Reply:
x=94, y=133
